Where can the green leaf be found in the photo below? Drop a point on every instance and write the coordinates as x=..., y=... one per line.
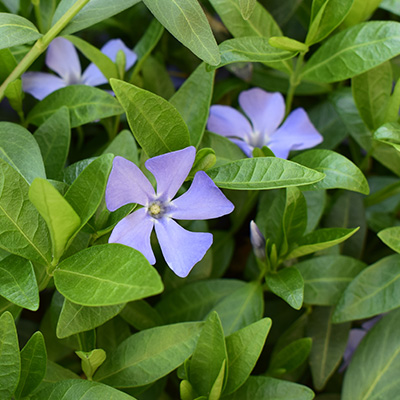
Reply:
x=16, y=30
x=53, y=138
x=262, y=387
x=24, y=231
x=124, y=145
x=372, y=292
x=105, y=275
x=85, y=104
x=33, y=365
x=112, y=333
x=208, y=356
x=91, y=361
x=59, y=215
x=262, y=173
x=349, y=53
x=251, y=49
x=361, y=11
x=156, y=78
x=391, y=237
x=371, y=92
x=7, y=64
x=339, y=171
x=241, y=308
x=141, y=315
x=288, y=284
x=149, y=40
x=374, y=366
x=389, y=134
x=247, y=7
x=156, y=124
x=243, y=348
x=18, y=282
x=326, y=277
x=287, y=43
x=75, y=318
x=199, y=88
x=328, y=344
x=193, y=302
x=290, y=357
x=79, y=389
x=316, y=202
x=319, y=240
x=10, y=363
x=186, y=20
x=295, y=216
x=19, y=149
x=326, y=15
x=95, y=11
x=149, y=355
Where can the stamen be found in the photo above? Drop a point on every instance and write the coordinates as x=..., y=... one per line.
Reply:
x=156, y=209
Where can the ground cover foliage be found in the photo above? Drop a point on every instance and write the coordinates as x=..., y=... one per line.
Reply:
x=199, y=199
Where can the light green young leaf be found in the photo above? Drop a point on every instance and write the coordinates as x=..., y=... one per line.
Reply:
x=10, y=363
x=59, y=215
x=91, y=361
x=16, y=30
x=372, y=292
x=149, y=355
x=18, y=282
x=247, y=7
x=361, y=11
x=391, y=237
x=33, y=365
x=389, y=134
x=156, y=124
x=19, y=149
x=354, y=51
x=186, y=20
x=287, y=43
x=262, y=173
x=85, y=104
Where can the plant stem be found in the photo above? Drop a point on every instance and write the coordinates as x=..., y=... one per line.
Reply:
x=294, y=82
x=41, y=45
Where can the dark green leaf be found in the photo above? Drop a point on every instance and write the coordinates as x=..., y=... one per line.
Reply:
x=124, y=145
x=141, y=315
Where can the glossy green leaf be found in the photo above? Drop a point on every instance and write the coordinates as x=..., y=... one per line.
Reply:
x=328, y=344
x=59, y=215
x=91, y=361
x=354, y=51
x=372, y=292
x=316, y=202
x=391, y=237
x=124, y=145
x=24, y=231
x=289, y=285
x=10, y=363
x=19, y=149
x=156, y=124
x=92, y=277
x=75, y=318
x=186, y=20
x=295, y=215
x=243, y=348
x=389, y=134
x=208, y=356
x=18, y=282
x=193, y=302
x=241, y=308
x=149, y=355
x=287, y=43
x=262, y=173
x=16, y=30
x=53, y=138
x=319, y=240
x=85, y=104
x=262, y=387
x=33, y=365
x=339, y=171
x=199, y=88
x=247, y=7
x=326, y=277
x=95, y=11
x=141, y=315
x=361, y=11
x=7, y=64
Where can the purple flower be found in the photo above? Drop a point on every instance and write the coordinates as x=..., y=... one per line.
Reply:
x=257, y=240
x=266, y=112
x=62, y=58
x=127, y=184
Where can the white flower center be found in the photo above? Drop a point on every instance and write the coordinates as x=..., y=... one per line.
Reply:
x=156, y=209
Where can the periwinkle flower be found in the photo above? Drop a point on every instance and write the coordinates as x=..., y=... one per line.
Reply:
x=181, y=248
x=257, y=240
x=266, y=112
x=62, y=58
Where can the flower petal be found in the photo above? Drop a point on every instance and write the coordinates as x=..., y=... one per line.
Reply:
x=41, y=84
x=229, y=122
x=134, y=231
x=181, y=249
x=280, y=149
x=94, y=77
x=171, y=170
x=244, y=146
x=265, y=110
x=355, y=337
x=62, y=58
x=203, y=200
x=296, y=133
x=127, y=184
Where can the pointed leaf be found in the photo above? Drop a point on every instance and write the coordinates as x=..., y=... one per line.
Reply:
x=391, y=237
x=91, y=361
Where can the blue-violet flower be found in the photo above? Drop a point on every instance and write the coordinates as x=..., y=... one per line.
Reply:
x=181, y=249
x=62, y=58
x=266, y=111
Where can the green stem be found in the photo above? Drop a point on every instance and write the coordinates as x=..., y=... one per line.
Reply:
x=294, y=82
x=41, y=45
x=38, y=15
